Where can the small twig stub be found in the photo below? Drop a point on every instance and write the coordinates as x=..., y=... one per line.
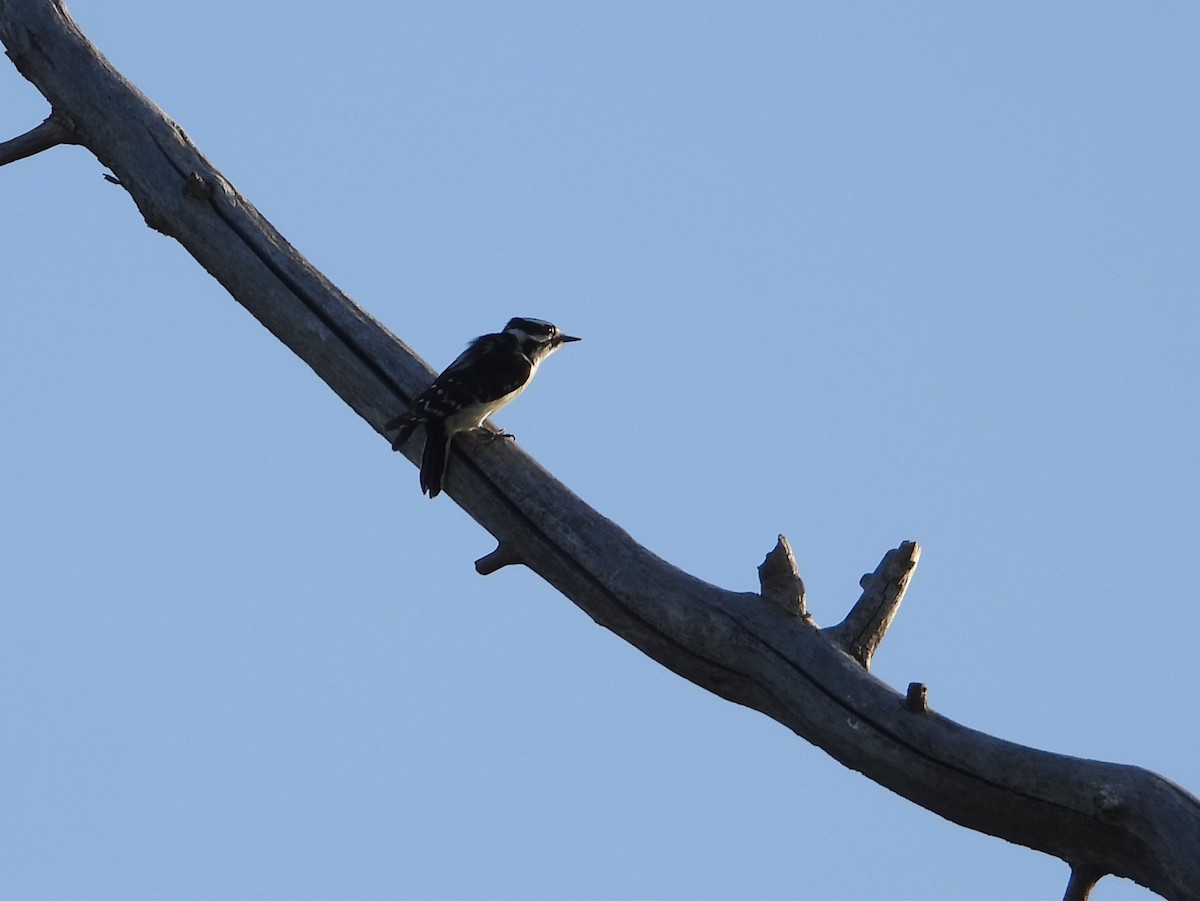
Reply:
x=779, y=579
x=916, y=700
x=55, y=130
x=861, y=632
x=504, y=555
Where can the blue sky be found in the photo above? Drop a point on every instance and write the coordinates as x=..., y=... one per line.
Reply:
x=856, y=273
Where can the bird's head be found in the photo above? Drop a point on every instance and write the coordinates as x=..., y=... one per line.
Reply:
x=536, y=337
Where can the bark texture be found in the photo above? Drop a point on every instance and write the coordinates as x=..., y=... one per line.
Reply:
x=760, y=650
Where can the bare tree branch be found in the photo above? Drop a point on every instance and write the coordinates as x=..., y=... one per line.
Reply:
x=780, y=582
x=759, y=650
x=504, y=555
x=53, y=131
x=860, y=633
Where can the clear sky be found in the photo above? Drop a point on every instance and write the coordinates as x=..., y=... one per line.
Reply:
x=852, y=272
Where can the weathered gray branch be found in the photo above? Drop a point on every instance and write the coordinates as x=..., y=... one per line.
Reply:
x=504, y=555
x=754, y=650
x=50, y=133
x=779, y=580
x=860, y=633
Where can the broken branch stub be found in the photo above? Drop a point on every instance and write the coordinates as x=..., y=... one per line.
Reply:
x=55, y=130
x=860, y=633
x=779, y=579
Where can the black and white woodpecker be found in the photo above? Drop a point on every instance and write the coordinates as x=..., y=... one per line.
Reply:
x=485, y=377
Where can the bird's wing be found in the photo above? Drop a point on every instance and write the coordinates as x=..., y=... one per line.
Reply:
x=484, y=374
x=486, y=371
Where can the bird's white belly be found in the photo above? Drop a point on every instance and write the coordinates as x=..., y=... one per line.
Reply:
x=472, y=417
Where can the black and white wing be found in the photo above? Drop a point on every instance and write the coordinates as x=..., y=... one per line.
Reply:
x=479, y=381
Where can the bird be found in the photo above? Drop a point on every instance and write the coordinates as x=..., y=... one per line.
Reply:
x=484, y=378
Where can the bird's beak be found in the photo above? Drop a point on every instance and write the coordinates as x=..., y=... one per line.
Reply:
x=565, y=339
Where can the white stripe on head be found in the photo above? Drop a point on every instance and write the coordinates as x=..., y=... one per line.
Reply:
x=525, y=329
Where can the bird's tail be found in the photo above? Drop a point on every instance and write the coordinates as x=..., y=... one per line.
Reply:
x=435, y=458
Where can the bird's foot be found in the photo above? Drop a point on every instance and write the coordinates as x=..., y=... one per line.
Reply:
x=494, y=434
